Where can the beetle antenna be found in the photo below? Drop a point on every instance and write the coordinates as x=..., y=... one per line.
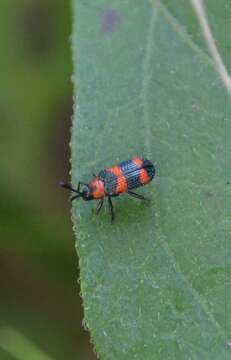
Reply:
x=69, y=187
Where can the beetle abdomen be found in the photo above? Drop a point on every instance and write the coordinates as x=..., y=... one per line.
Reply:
x=127, y=175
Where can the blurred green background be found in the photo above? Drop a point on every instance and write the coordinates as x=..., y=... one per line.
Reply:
x=40, y=307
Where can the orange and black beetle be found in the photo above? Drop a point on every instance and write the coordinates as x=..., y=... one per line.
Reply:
x=114, y=181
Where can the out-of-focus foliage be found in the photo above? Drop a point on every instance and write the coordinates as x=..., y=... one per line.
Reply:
x=39, y=300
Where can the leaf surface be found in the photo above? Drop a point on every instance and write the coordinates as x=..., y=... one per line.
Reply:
x=156, y=283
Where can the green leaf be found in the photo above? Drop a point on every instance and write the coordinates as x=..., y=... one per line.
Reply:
x=157, y=283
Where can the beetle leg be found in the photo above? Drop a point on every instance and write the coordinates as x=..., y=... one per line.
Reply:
x=135, y=195
x=99, y=206
x=111, y=209
x=78, y=186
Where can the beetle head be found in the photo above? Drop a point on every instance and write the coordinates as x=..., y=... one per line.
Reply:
x=85, y=193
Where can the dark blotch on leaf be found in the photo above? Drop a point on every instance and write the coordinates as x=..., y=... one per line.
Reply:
x=195, y=108
x=208, y=194
x=110, y=20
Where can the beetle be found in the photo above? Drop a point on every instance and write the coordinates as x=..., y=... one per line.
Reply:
x=114, y=181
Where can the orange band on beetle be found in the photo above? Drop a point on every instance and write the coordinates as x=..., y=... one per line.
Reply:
x=138, y=161
x=116, y=170
x=144, y=178
x=121, y=184
x=121, y=180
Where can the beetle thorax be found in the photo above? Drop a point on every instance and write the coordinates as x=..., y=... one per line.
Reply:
x=97, y=188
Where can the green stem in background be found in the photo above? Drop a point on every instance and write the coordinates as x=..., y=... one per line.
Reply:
x=19, y=346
